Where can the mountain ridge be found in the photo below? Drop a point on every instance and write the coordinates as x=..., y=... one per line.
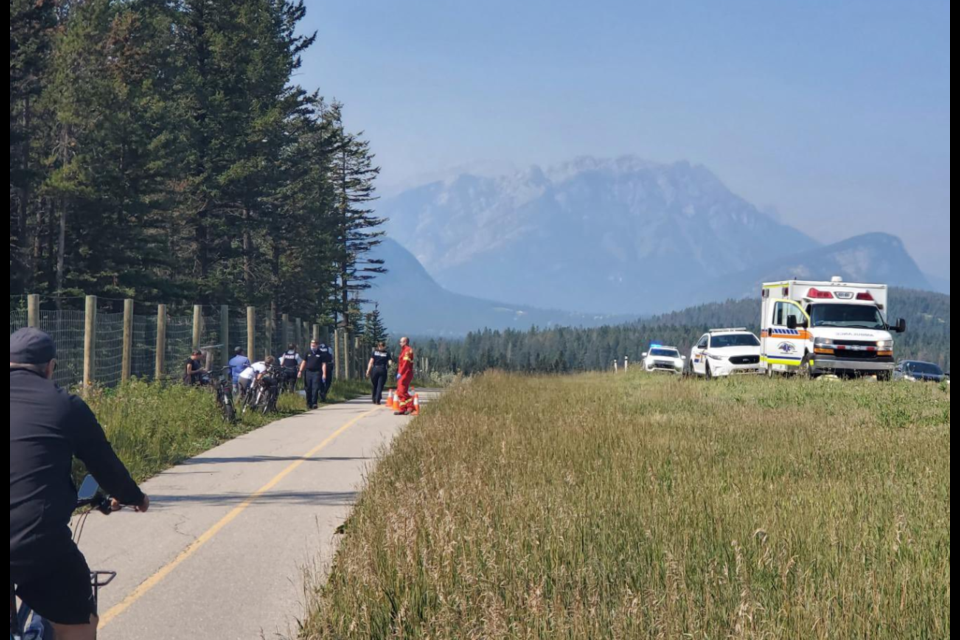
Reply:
x=599, y=226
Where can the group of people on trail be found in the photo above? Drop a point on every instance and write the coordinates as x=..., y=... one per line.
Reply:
x=315, y=367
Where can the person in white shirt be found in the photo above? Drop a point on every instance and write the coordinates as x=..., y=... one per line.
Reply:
x=253, y=373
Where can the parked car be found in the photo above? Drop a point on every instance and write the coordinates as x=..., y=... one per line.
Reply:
x=724, y=352
x=916, y=371
x=662, y=359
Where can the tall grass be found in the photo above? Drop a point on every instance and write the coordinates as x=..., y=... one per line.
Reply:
x=155, y=426
x=603, y=506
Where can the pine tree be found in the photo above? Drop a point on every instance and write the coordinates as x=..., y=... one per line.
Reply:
x=353, y=175
x=376, y=330
x=32, y=24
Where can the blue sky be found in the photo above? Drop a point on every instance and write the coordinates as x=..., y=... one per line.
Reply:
x=834, y=114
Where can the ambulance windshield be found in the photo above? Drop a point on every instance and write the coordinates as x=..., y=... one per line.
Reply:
x=847, y=316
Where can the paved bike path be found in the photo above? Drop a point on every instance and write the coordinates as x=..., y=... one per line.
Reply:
x=221, y=552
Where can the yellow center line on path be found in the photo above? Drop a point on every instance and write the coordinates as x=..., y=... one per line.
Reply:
x=208, y=535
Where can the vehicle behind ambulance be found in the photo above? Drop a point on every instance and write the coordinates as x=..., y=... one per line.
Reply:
x=834, y=327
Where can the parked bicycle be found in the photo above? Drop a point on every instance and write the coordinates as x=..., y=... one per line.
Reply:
x=224, y=391
x=264, y=393
x=26, y=624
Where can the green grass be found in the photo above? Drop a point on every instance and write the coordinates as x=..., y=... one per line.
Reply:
x=603, y=506
x=155, y=426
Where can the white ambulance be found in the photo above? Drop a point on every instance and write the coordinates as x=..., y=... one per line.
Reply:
x=835, y=327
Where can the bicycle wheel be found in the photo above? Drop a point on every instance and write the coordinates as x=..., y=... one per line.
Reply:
x=229, y=411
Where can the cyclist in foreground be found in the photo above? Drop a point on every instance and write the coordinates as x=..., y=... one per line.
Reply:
x=48, y=428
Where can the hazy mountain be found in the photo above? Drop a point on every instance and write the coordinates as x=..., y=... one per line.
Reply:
x=413, y=303
x=623, y=236
x=874, y=257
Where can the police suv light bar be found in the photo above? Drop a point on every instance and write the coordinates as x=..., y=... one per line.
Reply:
x=727, y=330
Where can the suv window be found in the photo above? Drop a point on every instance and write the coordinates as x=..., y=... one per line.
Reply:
x=704, y=341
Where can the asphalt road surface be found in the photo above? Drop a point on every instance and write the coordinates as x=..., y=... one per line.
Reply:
x=222, y=551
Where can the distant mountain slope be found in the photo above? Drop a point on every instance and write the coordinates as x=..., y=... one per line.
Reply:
x=413, y=303
x=623, y=236
x=874, y=257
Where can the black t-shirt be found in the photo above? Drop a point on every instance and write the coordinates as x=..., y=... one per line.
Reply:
x=192, y=377
x=316, y=358
x=381, y=359
x=48, y=427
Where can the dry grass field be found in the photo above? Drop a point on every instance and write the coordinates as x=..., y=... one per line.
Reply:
x=630, y=506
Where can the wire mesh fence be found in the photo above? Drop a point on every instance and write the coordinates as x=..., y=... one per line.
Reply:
x=108, y=348
x=143, y=357
x=67, y=330
x=18, y=319
x=67, y=326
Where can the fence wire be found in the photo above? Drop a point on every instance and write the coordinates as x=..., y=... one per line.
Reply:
x=179, y=346
x=67, y=330
x=108, y=349
x=18, y=320
x=143, y=359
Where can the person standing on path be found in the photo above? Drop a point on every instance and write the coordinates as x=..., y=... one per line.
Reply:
x=313, y=369
x=377, y=370
x=326, y=354
x=405, y=378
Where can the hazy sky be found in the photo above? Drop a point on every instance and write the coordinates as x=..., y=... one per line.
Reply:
x=835, y=114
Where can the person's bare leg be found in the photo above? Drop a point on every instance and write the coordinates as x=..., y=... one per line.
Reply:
x=77, y=631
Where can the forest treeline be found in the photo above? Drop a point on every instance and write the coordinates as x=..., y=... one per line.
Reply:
x=163, y=151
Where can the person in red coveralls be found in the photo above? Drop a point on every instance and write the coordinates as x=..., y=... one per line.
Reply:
x=404, y=378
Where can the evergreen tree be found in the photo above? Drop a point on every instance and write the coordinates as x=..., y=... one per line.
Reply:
x=32, y=24
x=353, y=175
x=376, y=330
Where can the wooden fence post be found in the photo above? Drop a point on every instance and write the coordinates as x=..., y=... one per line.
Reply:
x=161, y=341
x=252, y=332
x=298, y=336
x=33, y=310
x=197, y=326
x=336, y=353
x=268, y=325
x=285, y=321
x=225, y=332
x=346, y=354
x=315, y=335
x=626, y=363
x=127, y=359
x=89, y=342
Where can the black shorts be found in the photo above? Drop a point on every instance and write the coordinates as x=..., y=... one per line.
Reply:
x=62, y=594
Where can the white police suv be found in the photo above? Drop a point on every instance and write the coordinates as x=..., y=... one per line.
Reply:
x=662, y=359
x=723, y=352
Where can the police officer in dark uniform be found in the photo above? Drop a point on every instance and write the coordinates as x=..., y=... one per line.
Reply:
x=380, y=361
x=313, y=370
x=290, y=362
x=327, y=356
